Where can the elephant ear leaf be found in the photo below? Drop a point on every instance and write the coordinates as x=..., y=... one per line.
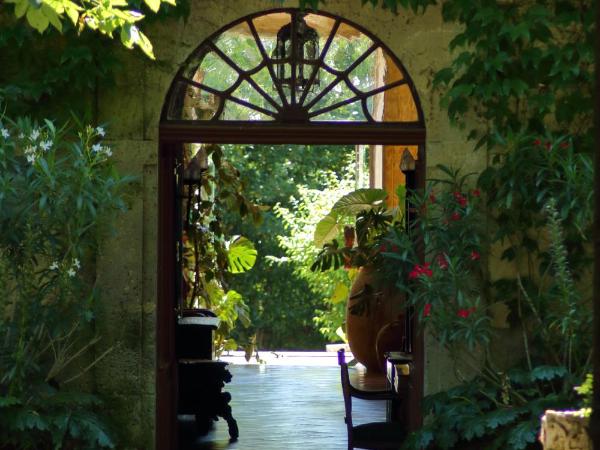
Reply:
x=359, y=200
x=326, y=230
x=241, y=255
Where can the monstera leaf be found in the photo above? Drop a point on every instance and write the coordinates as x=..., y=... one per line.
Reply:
x=241, y=255
x=359, y=200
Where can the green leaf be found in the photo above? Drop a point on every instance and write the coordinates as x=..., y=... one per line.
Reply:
x=154, y=5
x=241, y=255
x=358, y=201
x=326, y=230
x=37, y=19
x=548, y=372
x=340, y=293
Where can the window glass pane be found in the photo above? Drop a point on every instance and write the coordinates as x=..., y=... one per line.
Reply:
x=347, y=46
x=352, y=112
x=234, y=111
x=239, y=45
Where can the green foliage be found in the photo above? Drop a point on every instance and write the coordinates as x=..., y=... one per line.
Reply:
x=282, y=302
x=493, y=412
x=106, y=17
x=331, y=287
x=53, y=419
x=210, y=252
x=57, y=192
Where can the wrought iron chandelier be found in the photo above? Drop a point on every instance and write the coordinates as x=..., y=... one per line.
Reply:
x=296, y=54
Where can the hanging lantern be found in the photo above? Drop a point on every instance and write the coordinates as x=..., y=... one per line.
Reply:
x=297, y=47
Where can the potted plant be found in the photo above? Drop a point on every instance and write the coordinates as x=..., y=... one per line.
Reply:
x=362, y=221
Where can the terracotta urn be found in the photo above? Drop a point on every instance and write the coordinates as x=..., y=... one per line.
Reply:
x=382, y=306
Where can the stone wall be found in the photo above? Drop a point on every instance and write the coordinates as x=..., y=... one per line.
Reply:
x=127, y=262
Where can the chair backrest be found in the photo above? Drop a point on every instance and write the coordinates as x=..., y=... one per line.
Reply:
x=346, y=389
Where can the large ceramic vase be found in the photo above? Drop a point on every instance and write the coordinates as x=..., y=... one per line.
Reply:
x=386, y=305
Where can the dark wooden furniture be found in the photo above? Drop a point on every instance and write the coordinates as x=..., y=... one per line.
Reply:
x=399, y=367
x=373, y=435
x=201, y=377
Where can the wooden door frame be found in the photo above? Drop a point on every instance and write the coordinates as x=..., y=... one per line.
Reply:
x=172, y=136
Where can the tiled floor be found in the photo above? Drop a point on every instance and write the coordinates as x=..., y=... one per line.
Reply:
x=288, y=407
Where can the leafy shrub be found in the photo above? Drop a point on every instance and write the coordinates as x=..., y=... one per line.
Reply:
x=57, y=193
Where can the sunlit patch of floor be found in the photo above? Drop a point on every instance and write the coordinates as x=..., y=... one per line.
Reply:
x=285, y=406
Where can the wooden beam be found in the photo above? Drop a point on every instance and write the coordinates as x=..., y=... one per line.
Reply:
x=341, y=133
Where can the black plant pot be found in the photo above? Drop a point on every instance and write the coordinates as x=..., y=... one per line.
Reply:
x=194, y=334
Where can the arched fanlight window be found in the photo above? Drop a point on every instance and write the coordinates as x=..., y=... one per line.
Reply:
x=290, y=66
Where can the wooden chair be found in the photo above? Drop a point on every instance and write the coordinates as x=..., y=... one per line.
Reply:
x=373, y=435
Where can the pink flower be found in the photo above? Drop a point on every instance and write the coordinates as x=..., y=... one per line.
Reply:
x=427, y=310
x=548, y=145
x=537, y=142
x=475, y=255
x=442, y=261
x=455, y=216
x=462, y=201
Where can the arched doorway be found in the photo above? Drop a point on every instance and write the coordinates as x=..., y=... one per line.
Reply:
x=286, y=86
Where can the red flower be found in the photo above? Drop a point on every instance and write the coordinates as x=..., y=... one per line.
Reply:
x=383, y=248
x=442, y=261
x=564, y=145
x=455, y=216
x=548, y=145
x=462, y=201
x=419, y=270
x=475, y=255
x=537, y=142
x=476, y=193
x=432, y=198
x=427, y=310
x=464, y=313
x=395, y=248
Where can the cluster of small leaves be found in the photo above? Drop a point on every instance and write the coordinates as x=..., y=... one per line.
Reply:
x=106, y=17
x=499, y=412
x=520, y=66
x=53, y=419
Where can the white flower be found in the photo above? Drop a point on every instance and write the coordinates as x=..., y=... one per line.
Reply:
x=107, y=151
x=31, y=158
x=46, y=145
x=100, y=131
x=96, y=148
x=76, y=263
x=54, y=265
x=35, y=134
x=71, y=273
x=21, y=135
x=5, y=133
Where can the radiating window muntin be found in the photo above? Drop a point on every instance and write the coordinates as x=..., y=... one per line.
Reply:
x=232, y=77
